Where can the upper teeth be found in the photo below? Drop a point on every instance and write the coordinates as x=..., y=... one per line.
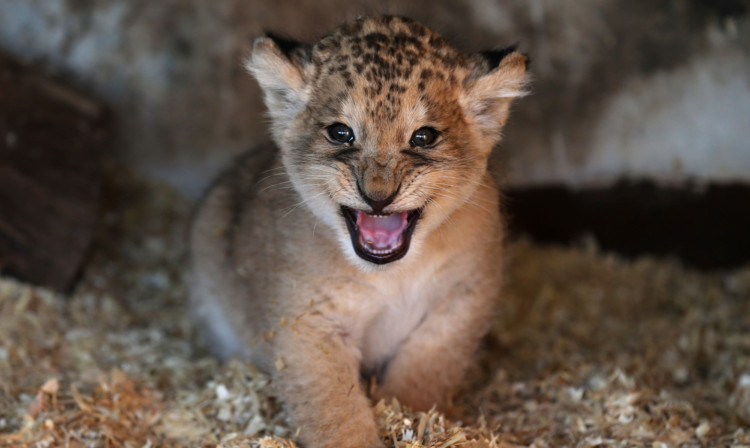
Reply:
x=379, y=216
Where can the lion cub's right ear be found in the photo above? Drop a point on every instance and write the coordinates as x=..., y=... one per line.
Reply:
x=282, y=68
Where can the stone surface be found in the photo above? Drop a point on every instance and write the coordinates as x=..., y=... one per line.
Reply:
x=657, y=90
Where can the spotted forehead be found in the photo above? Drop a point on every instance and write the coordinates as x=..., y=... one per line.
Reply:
x=385, y=60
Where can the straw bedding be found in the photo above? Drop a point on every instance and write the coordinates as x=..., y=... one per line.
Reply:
x=588, y=350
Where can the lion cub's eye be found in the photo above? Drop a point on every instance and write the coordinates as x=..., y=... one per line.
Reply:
x=423, y=137
x=340, y=133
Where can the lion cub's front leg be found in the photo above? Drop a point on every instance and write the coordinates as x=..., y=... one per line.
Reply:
x=434, y=358
x=318, y=376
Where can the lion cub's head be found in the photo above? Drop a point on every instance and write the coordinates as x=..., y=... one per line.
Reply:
x=384, y=128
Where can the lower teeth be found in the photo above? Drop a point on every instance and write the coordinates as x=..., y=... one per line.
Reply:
x=381, y=252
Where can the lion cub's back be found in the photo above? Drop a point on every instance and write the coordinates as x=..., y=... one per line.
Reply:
x=216, y=283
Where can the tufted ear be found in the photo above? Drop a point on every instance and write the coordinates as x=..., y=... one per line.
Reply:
x=498, y=77
x=282, y=68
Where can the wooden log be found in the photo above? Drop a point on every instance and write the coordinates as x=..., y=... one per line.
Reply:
x=51, y=143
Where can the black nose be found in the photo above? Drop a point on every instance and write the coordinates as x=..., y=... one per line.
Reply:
x=378, y=200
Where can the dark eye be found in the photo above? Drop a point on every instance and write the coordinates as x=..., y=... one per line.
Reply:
x=423, y=137
x=340, y=133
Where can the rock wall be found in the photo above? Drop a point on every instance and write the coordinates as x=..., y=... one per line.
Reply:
x=623, y=89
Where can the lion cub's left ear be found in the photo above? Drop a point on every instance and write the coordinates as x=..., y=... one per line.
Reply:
x=282, y=68
x=498, y=77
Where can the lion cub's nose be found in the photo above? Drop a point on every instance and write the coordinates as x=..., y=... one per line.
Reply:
x=377, y=199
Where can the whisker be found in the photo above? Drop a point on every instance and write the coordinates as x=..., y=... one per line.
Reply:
x=304, y=201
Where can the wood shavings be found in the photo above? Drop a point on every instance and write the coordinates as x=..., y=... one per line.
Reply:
x=279, y=364
x=432, y=429
x=589, y=350
x=118, y=409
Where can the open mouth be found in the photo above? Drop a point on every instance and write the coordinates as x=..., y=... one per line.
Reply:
x=380, y=239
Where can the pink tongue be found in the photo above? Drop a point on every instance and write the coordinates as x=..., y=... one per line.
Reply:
x=381, y=233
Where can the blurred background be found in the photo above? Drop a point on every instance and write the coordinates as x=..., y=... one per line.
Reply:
x=636, y=136
x=625, y=315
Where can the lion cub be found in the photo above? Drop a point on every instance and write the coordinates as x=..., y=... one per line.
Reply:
x=367, y=243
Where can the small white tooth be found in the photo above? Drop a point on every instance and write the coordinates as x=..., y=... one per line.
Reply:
x=381, y=252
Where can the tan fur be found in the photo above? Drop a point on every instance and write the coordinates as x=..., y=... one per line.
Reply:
x=274, y=276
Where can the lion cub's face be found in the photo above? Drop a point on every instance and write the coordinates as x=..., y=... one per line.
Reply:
x=384, y=128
